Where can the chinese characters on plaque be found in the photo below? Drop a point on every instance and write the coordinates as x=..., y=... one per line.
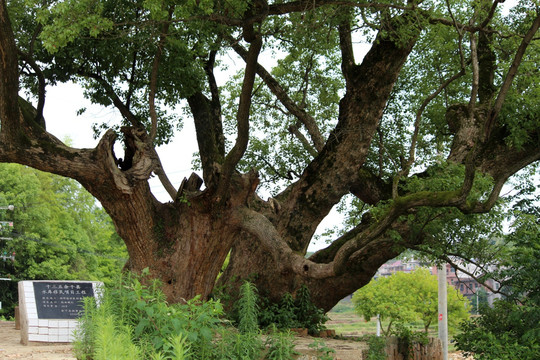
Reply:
x=61, y=300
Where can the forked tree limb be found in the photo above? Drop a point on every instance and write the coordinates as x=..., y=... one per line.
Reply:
x=41, y=86
x=242, y=118
x=275, y=87
x=511, y=74
x=154, y=77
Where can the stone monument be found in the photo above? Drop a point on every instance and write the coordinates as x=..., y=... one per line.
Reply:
x=49, y=309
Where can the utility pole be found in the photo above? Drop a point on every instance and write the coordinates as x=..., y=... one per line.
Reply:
x=443, y=314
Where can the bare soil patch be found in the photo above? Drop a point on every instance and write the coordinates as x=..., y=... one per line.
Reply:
x=11, y=347
x=344, y=349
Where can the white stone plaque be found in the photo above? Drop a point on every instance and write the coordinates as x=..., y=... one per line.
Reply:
x=49, y=309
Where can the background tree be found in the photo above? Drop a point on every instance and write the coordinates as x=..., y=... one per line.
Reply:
x=59, y=232
x=407, y=297
x=511, y=330
x=440, y=112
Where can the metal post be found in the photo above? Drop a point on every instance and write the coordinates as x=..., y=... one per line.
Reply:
x=443, y=314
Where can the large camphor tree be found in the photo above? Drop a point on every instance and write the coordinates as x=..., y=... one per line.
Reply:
x=426, y=126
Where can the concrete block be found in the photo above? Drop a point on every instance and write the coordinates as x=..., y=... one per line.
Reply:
x=53, y=323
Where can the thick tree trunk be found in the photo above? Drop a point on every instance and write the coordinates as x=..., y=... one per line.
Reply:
x=183, y=245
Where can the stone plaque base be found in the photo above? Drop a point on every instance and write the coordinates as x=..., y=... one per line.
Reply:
x=49, y=308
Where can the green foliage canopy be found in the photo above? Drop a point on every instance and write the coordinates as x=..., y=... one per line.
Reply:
x=511, y=329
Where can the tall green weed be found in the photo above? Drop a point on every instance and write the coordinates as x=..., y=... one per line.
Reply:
x=134, y=321
x=136, y=317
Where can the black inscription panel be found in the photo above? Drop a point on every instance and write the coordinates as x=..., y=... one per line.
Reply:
x=61, y=300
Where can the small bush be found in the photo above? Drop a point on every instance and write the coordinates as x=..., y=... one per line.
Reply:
x=506, y=332
x=376, y=345
x=134, y=321
x=293, y=313
x=137, y=318
x=280, y=345
x=247, y=309
x=323, y=351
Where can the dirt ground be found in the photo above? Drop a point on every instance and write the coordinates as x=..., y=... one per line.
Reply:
x=11, y=348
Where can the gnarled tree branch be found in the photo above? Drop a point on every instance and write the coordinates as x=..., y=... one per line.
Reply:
x=497, y=106
x=265, y=232
x=242, y=117
x=337, y=167
x=41, y=87
x=117, y=102
x=304, y=117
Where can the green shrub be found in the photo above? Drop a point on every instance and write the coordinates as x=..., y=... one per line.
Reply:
x=102, y=336
x=376, y=345
x=309, y=316
x=323, y=351
x=293, y=313
x=138, y=318
x=280, y=345
x=247, y=309
x=237, y=346
x=247, y=343
x=505, y=332
x=134, y=321
x=287, y=313
x=113, y=342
